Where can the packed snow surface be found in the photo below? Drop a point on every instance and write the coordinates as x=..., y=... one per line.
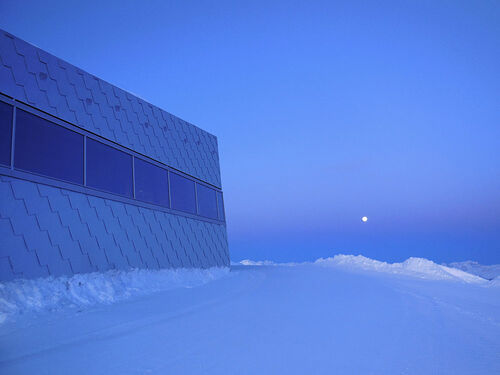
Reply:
x=340, y=315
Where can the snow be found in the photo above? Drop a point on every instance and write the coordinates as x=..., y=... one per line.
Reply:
x=495, y=281
x=474, y=268
x=414, y=267
x=84, y=290
x=345, y=314
x=248, y=262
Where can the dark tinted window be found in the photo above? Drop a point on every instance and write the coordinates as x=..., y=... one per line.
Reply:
x=220, y=205
x=108, y=168
x=151, y=183
x=5, y=132
x=207, y=201
x=47, y=148
x=182, y=193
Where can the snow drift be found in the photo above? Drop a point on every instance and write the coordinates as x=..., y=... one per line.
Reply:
x=84, y=290
x=414, y=267
x=474, y=268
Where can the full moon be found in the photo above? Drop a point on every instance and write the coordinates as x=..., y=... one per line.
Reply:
x=364, y=219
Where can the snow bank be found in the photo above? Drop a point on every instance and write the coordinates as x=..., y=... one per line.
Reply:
x=416, y=267
x=51, y=294
x=248, y=262
x=486, y=272
x=495, y=281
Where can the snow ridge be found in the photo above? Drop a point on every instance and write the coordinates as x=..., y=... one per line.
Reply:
x=486, y=272
x=84, y=290
x=416, y=267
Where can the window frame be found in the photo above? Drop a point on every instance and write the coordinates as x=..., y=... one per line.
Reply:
x=167, y=181
x=195, y=196
x=50, y=124
x=55, y=182
x=11, y=138
x=130, y=161
x=216, y=216
x=219, y=193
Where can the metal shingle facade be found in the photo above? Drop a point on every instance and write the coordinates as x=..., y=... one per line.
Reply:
x=48, y=230
x=35, y=77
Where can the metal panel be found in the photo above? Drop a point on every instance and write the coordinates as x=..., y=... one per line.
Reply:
x=39, y=79
x=49, y=227
x=51, y=231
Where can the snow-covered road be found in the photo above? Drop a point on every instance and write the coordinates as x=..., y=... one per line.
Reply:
x=271, y=319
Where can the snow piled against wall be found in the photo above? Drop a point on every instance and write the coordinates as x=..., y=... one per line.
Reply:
x=84, y=290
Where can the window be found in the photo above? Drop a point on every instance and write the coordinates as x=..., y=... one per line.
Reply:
x=108, y=169
x=220, y=205
x=151, y=183
x=182, y=193
x=47, y=148
x=207, y=201
x=5, y=132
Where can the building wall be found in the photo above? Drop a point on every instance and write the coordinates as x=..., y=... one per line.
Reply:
x=51, y=231
x=37, y=78
x=52, y=227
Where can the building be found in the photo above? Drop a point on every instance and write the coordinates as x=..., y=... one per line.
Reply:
x=93, y=178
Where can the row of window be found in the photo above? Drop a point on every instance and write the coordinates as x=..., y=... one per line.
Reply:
x=46, y=148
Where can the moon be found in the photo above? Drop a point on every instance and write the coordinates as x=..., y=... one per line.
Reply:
x=364, y=219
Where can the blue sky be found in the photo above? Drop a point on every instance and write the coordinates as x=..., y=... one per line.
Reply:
x=325, y=112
